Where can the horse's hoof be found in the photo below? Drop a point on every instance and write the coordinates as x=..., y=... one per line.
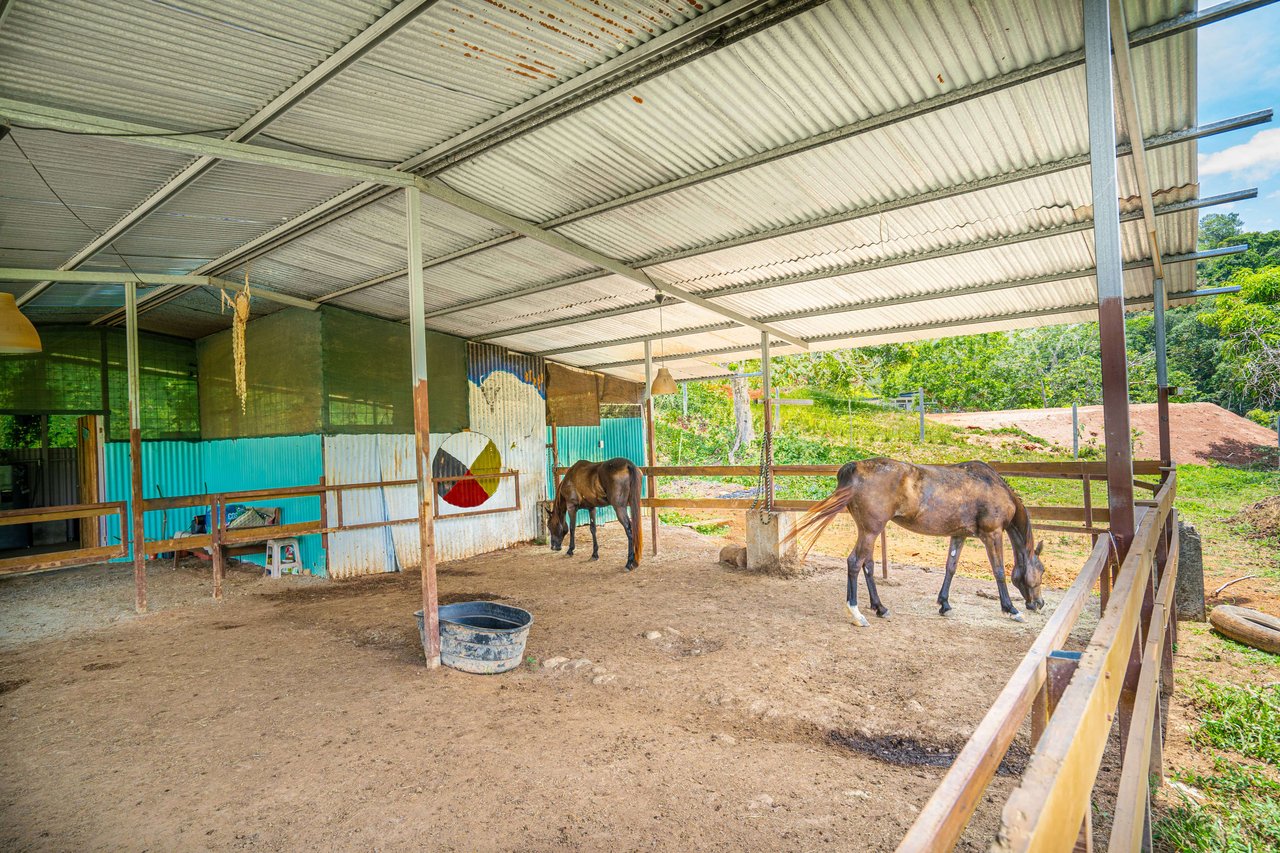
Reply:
x=944, y=610
x=595, y=556
x=858, y=618
x=1017, y=617
x=883, y=613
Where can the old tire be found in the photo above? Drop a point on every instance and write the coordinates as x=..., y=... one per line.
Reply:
x=1251, y=627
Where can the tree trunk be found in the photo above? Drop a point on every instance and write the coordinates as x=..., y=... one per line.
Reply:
x=744, y=433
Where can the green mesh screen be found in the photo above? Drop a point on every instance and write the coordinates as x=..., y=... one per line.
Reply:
x=82, y=371
x=168, y=398
x=283, y=372
x=368, y=376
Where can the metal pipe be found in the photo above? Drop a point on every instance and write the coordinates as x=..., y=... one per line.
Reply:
x=135, y=447
x=651, y=443
x=766, y=373
x=1109, y=262
x=1075, y=430
x=422, y=428
x=922, y=416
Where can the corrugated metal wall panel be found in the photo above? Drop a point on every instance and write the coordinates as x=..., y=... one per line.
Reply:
x=172, y=468
x=271, y=462
x=613, y=437
x=507, y=404
x=169, y=468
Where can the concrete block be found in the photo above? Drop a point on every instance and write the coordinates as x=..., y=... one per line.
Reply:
x=768, y=549
x=1188, y=589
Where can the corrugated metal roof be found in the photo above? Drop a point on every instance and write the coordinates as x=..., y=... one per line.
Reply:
x=658, y=174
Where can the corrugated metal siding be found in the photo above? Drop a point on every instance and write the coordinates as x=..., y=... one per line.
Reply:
x=507, y=404
x=613, y=437
x=173, y=468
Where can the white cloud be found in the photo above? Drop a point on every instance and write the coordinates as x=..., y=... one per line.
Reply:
x=1257, y=159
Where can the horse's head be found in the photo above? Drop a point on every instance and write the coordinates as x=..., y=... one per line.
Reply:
x=556, y=525
x=1028, y=572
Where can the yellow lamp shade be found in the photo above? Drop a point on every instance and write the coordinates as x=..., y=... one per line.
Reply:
x=16, y=332
x=663, y=383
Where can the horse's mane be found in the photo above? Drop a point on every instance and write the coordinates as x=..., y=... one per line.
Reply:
x=1019, y=528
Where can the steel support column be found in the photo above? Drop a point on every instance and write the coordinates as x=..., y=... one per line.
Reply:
x=422, y=429
x=766, y=398
x=651, y=443
x=135, y=448
x=1110, y=270
x=1162, y=375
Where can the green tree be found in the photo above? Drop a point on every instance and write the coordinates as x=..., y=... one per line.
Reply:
x=1249, y=326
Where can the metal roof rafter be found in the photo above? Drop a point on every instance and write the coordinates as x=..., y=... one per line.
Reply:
x=370, y=37
x=868, y=266
x=880, y=208
x=361, y=195
x=871, y=304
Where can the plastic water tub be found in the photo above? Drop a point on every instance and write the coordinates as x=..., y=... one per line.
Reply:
x=481, y=636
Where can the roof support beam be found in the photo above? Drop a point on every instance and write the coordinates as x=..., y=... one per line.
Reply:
x=353, y=50
x=1128, y=95
x=152, y=279
x=366, y=193
x=729, y=21
x=850, y=269
x=438, y=189
x=1073, y=59
x=939, y=325
x=1174, y=138
x=868, y=305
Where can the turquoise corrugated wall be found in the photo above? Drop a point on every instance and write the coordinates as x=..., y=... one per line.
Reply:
x=614, y=437
x=173, y=468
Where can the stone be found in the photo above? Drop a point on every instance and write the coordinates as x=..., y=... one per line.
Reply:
x=653, y=635
x=578, y=664
x=1188, y=587
x=606, y=678
x=552, y=663
x=734, y=556
x=769, y=550
x=862, y=795
x=727, y=739
x=915, y=707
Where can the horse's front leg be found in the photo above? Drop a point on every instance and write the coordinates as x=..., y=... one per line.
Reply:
x=995, y=553
x=572, y=517
x=595, y=546
x=953, y=560
x=868, y=560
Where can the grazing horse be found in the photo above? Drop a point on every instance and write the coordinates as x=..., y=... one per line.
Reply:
x=590, y=485
x=968, y=499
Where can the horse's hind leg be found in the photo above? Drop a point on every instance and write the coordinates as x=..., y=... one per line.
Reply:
x=595, y=546
x=953, y=559
x=995, y=553
x=866, y=547
x=571, y=513
x=624, y=517
x=861, y=555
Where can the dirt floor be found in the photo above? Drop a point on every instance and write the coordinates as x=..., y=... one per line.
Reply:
x=1199, y=432
x=699, y=707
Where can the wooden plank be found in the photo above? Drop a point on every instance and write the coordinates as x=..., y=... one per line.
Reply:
x=944, y=816
x=1132, y=796
x=58, y=513
x=60, y=560
x=1044, y=812
x=186, y=543
x=243, y=535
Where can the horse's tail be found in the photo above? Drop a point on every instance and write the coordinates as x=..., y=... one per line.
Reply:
x=637, y=526
x=813, y=522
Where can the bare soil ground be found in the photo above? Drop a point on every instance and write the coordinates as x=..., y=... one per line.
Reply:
x=1199, y=432
x=297, y=714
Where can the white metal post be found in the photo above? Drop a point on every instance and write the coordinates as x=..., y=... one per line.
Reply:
x=651, y=444
x=766, y=381
x=422, y=429
x=135, y=447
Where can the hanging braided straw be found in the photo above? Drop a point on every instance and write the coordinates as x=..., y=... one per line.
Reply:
x=239, y=305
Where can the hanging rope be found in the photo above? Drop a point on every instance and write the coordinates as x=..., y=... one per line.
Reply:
x=239, y=305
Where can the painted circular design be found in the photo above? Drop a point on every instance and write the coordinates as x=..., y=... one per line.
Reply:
x=464, y=469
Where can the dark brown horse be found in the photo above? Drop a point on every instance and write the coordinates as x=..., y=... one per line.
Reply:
x=589, y=486
x=968, y=499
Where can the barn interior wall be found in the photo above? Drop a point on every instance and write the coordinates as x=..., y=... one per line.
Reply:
x=613, y=437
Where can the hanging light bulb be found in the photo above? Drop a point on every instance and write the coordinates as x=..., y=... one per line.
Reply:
x=663, y=383
x=17, y=335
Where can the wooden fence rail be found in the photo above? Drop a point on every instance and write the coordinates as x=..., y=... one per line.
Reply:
x=71, y=557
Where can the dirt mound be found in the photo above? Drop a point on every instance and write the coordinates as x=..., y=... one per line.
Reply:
x=1264, y=516
x=1200, y=432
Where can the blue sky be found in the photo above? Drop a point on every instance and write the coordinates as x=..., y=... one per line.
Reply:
x=1239, y=72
